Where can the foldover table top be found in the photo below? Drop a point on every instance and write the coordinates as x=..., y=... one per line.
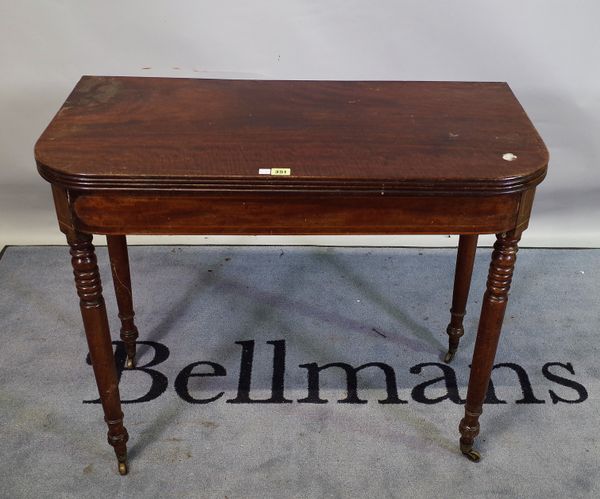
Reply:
x=178, y=133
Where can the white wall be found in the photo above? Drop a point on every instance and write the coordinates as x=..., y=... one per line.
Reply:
x=548, y=51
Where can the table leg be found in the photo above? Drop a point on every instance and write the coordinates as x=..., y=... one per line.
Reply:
x=95, y=322
x=119, y=264
x=493, y=307
x=467, y=246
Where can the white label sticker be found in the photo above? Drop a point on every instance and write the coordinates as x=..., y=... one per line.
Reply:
x=275, y=171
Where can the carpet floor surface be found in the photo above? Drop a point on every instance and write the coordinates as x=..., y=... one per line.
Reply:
x=219, y=324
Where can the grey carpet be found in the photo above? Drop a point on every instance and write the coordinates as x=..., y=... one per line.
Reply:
x=328, y=305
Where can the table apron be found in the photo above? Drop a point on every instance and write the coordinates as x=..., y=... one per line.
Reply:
x=255, y=213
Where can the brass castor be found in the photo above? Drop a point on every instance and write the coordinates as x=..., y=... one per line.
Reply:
x=470, y=453
x=449, y=356
x=130, y=362
x=123, y=468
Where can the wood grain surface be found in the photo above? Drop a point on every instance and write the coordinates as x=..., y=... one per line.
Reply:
x=200, y=134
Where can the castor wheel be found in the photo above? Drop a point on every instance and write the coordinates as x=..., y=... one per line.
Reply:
x=473, y=455
x=130, y=363
x=123, y=468
x=470, y=453
x=449, y=356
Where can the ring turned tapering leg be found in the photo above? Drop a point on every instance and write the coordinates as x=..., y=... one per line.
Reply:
x=93, y=312
x=467, y=246
x=119, y=264
x=494, y=304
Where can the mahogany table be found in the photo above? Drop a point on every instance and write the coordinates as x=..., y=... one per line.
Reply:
x=193, y=156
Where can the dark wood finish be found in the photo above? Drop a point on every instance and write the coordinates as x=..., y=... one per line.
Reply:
x=465, y=257
x=119, y=264
x=182, y=156
x=164, y=133
x=293, y=213
x=93, y=312
x=493, y=307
